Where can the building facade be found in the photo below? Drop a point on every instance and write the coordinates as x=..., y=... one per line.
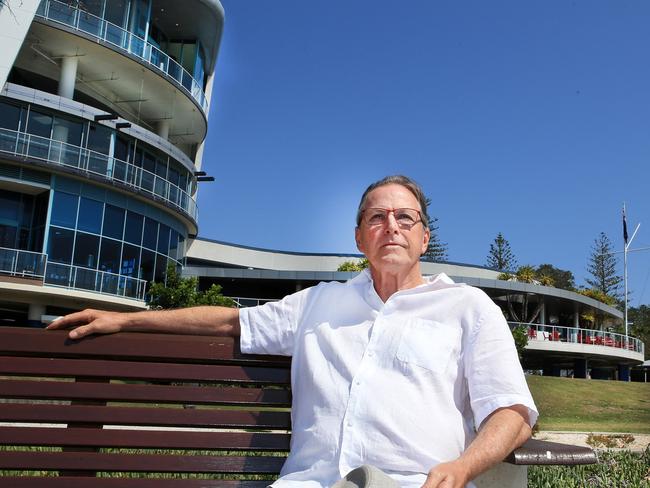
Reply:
x=103, y=113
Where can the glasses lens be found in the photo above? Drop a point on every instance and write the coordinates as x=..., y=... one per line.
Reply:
x=375, y=216
x=406, y=216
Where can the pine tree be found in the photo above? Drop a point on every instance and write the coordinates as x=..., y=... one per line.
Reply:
x=501, y=256
x=436, y=250
x=602, y=267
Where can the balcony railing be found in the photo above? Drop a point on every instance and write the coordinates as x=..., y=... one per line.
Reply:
x=27, y=264
x=68, y=276
x=575, y=335
x=56, y=152
x=72, y=16
x=24, y=264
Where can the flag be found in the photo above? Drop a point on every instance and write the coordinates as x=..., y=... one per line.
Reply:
x=624, y=225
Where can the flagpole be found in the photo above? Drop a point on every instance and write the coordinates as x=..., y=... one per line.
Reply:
x=625, y=268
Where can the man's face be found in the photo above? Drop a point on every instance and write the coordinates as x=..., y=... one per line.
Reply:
x=389, y=246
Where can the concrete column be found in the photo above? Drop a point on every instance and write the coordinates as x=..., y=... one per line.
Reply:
x=623, y=372
x=542, y=314
x=68, y=76
x=34, y=314
x=576, y=316
x=580, y=368
x=162, y=128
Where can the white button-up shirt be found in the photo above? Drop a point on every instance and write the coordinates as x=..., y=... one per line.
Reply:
x=400, y=385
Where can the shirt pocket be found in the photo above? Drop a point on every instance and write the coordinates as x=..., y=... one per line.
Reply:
x=428, y=344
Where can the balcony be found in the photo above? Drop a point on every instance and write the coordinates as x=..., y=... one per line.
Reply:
x=25, y=145
x=70, y=15
x=31, y=265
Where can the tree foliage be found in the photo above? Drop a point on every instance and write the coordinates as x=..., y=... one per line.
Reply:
x=177, y=292
x=500, y=256
x=602, y=267
x=559, y=278
x=359, y=265
x=640, y=318
x=436, y=250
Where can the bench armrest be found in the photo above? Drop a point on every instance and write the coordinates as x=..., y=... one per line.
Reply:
x=543, y=452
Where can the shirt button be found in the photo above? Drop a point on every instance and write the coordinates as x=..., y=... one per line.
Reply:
x=358, y=382
x=371, y=354
x=349, y=423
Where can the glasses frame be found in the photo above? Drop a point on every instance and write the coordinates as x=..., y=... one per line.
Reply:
x=389, y=211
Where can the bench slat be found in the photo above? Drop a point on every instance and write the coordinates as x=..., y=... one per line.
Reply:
x=15, y=412
x=156, y=463
x=60, y=390
x=144, y=439
x=127, y=438
x=61, y=367
x=132, y=345
x=75, y=482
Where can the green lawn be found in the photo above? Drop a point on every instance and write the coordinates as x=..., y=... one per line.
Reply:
x=591, y=405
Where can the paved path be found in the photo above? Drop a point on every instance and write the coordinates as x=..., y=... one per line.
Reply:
x=640, y=443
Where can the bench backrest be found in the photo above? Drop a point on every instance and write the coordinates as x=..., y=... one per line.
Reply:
x=154, y=403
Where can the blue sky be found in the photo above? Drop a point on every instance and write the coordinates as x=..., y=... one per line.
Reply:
x=526, y=118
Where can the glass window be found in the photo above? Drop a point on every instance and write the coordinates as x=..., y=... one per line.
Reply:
x=150, y=237
x=113, y=222
x=130, y=260
x=39, y=124
x=147, y=264
x=59, y=245
x=173, y=245
x=8, y=236
x=109, y=255
x=64, y=209
x=9, y=116
x=9, y=207
x=116, y=12
x=133, y=229
x=163, y=239
x=99, y=138
x=90, y=215
x=121, y=150
x=86, y=250
x=68, y=131
x=161, y=268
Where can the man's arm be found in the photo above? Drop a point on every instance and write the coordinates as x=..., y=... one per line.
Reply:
x=220, y=321
x=502, y=432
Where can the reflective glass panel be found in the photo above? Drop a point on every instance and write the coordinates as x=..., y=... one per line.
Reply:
x=130, y=260
x=150, y=237
x=113, y=221
x=110, y=255
x=9, y=116
x=90, y=215
x=163, y=239
x=147, y=264
x=59, y=245
x=64, y=209
x=99, y=138
x=68, y=131
x=133, y=229
x=86, y=250
x=161, y=268
x=39, y=124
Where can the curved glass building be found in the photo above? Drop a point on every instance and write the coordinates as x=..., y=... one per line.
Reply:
x=103, y=113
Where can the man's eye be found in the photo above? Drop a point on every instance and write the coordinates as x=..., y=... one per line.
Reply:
x=376, y=217
x=405, y=218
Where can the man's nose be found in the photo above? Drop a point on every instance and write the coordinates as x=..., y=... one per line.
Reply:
x=391, y=223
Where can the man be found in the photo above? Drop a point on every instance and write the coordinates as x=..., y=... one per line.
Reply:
x=390, y=369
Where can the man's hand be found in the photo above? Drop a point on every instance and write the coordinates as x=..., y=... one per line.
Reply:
x=447, y=475
x=91, y=321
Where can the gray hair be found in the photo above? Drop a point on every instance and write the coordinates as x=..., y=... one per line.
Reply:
x=404, y=181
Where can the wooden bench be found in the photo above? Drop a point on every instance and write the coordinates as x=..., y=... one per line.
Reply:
x=146, y=403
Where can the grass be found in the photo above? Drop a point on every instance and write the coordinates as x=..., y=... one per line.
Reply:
x=591, y=405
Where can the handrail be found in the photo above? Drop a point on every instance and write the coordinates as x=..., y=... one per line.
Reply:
x=80, y=278
x=251, y=302
x=26, y=264
x=71, y=16
x=37, y=147
x=29, y=264
x=576, y=335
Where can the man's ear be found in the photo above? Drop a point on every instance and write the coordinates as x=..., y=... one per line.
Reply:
x=357, y=238
x=425, y=241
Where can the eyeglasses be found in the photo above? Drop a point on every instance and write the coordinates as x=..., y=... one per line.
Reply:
x=405, y=217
